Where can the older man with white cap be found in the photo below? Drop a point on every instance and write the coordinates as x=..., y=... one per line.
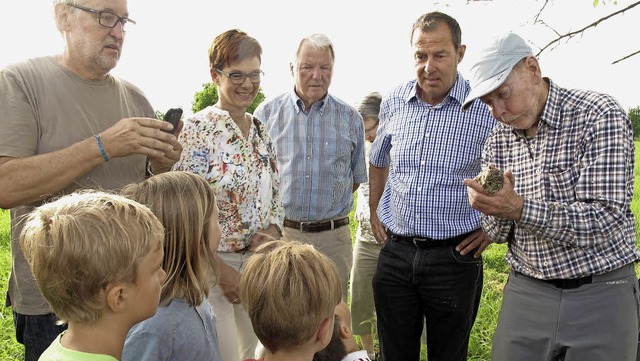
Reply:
x=572, y=292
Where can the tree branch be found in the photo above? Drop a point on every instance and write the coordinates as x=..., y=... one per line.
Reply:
x=626, y=57
x=594, y=24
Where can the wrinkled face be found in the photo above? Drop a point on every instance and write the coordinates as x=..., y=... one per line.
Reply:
x=215, y=234
x=516, y=103
x=436, y=62
x=237, y=97
x=370, y=128
x=148, y=284
x=312, y=71
x=90, y=45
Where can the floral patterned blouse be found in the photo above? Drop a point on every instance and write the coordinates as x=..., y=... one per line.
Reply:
x=243, y=172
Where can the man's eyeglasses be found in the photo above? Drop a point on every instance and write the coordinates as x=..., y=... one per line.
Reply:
x=105, y=18
x=238, y=78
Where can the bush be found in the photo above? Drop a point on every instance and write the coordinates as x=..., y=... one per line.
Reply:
x=634, y=115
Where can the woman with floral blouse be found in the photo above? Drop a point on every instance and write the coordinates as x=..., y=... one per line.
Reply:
x=232, y=150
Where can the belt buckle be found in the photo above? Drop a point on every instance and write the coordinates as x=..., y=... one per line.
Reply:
x=302, y=225
x=418, y=241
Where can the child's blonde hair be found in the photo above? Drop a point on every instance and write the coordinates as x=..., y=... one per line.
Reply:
x=80, y=243
x=288, y=289
x=183, y=202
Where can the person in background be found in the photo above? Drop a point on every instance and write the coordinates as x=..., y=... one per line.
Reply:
x=97, y=259
x=430, y=266
x=233, y=151
x=366, y=249
x=343, y=346
x=319, y=144
x=184, y=327
x=68, y=124
x=290, y=291
x=564, y=211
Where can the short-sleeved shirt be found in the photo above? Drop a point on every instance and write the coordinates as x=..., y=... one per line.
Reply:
x=242, y=171
x=47, y=108
x=576, y=177
x=430, y=150
x=364, y=233
x=57, y=352
x=320, y=154
x=176, y=332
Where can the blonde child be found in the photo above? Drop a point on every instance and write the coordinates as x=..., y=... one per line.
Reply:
x=184, y=326
x=290, y=291
x=96, y=258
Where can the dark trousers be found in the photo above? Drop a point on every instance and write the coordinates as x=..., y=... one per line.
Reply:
x=36, y=333
x=436, y=285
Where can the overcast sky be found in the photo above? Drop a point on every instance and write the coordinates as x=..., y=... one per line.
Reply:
x=165, y=53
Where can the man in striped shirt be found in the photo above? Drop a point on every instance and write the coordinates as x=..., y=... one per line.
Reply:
x=429, y=268
x=564, y=211
x=319, y=141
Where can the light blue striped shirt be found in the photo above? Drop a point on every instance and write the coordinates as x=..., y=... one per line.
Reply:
x=320, y=154
x=429, y=151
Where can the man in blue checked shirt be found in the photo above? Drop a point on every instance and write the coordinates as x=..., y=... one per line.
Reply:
x=430, y=268
x=564, y=209
x=319, y=141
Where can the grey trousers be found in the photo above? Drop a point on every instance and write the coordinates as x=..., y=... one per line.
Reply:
x=594, y=322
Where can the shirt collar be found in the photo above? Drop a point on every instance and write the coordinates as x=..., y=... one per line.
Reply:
x=457, y=93
x=553, y=107
x=299, y=104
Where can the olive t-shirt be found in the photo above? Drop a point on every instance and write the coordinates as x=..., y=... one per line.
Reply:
x=47, y=108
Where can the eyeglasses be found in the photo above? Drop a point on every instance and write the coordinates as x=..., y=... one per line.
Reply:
x=238, y=78
x=367, y=130
x=105, y=18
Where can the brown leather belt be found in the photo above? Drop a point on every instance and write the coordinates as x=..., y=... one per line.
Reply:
x=314, y=227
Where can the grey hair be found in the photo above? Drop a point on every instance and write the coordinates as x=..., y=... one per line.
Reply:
x=369, y=106
x=319, y=41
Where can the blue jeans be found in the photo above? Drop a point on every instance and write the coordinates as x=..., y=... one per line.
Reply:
x=36, y=333
x=436, y=285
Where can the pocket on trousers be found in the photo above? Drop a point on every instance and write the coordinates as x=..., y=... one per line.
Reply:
x=467, y=258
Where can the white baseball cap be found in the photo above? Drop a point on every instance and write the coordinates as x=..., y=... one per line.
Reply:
x=495, y=64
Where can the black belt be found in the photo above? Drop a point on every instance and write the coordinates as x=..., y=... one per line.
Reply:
x=565, y=284
x=425, y=242
x=316, y=226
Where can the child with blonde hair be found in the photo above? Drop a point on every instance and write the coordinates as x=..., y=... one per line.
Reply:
x=290, y=291
x=96, y=258
x=184, y=326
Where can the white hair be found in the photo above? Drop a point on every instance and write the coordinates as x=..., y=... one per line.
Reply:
x=319, y=41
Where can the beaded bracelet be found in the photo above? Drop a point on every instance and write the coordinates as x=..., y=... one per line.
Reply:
x=101, y=147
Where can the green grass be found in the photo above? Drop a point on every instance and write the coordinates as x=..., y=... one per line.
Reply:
x=495, y=276
x=10, y=349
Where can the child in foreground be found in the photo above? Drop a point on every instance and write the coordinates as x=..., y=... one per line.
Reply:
x=96, y=258
x=290, y=291
x=184, y=326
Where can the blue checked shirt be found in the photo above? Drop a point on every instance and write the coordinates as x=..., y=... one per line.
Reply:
x=576, y=177
x=320, y=155
x=430, y=150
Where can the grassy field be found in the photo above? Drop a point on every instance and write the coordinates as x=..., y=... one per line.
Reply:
x=495, y=276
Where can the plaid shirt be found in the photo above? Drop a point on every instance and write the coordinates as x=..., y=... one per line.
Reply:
x=430, y=150
x=320, y=154
x=576, y=177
